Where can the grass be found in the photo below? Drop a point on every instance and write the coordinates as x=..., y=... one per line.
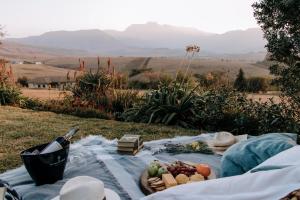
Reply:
x=169, y=65
x=21, y=129
x=32, y=71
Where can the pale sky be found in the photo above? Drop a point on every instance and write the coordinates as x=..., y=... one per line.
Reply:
x=33, y=17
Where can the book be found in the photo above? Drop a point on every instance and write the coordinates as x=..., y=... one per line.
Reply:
x=129, y=138
x=131, y=152
x=129, y=149
x=132, y=145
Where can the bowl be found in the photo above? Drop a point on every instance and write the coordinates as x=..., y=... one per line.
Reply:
x=45, y=168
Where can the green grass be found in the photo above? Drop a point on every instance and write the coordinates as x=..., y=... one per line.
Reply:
x=21, y=129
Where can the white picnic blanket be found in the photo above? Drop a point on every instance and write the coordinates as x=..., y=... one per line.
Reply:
x=263, y=185
x=97, y=157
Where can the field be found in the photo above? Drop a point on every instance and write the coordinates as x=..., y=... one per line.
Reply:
x=42, y=94
x=58, y=67
x=32, y=71
x=168, y=64
x=21, y=129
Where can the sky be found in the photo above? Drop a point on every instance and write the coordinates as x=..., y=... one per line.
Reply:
x=33, y=17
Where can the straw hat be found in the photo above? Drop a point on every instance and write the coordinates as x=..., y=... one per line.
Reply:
x=87, y=188
x=223, y=140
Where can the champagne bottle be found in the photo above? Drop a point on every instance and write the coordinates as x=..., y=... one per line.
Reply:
x=60, y=142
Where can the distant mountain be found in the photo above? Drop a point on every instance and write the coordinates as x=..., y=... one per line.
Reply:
x=153, y=35
x=87, y=40
x=14, y=50
x=150, y=39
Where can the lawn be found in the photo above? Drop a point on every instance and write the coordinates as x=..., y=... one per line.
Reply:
x=21, y=129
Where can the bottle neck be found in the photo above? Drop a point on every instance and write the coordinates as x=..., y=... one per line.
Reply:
x=71, y=133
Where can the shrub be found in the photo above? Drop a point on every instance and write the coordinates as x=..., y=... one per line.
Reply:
x=257, y=84
x=98, y=91
x=124, y=99
x=218, y=109
x=30, y=103
x=240, y=82
x=213, y=79
x=23, y=81
x=170, y=104
x=62, y=107
x=9, y=93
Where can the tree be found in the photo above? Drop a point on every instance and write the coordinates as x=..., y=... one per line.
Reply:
x=23, y=81
x=280, y=22
x=240, y=82
x=257, y=84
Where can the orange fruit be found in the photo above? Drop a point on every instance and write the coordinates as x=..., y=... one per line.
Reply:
x=203, y=169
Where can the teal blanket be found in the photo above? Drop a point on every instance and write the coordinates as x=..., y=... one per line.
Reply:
x=245, y=155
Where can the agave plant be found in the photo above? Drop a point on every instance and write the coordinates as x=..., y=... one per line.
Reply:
x=168, y=105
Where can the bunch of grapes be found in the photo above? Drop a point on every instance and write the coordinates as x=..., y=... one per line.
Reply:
x=180, y=168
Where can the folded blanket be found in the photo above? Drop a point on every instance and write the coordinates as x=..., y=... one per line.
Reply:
x=244, y=156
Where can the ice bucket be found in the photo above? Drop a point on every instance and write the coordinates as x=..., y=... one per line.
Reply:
x=45, y=168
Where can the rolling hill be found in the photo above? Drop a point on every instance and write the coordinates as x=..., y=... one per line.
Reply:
x=150, y=39
x=167, y=65
x=19, y=51
x=153, y=35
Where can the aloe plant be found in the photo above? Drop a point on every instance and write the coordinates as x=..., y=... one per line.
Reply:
x=170, y=104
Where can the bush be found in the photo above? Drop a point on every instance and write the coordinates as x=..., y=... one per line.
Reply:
x=240, y=82
x=23, y=81
x=62, y=107
x=9, y=94
x=30, y=103
x=212, y=79
x=97, y=91
x=218, y=109
x=124, y=99
x=257, y=84
x=170, y=104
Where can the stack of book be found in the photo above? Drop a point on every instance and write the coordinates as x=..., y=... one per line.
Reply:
x=130, y=144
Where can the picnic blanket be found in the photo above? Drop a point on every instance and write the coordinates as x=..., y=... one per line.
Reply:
x=274, y=178
x=97, y=157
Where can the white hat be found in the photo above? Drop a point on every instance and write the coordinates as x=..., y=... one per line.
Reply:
x=223, y=139
x=87, y=188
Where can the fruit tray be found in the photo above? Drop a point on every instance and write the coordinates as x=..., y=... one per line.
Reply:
x=177, y=168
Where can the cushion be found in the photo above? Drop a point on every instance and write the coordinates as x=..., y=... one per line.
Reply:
x=245, y=155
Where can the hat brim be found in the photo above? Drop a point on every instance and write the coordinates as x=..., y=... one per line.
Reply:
x=109, y=195
x=55, y=198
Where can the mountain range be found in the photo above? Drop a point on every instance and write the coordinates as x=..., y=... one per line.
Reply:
x=150, y=39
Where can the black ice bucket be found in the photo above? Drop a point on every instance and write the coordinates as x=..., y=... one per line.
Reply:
x=45, y=168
